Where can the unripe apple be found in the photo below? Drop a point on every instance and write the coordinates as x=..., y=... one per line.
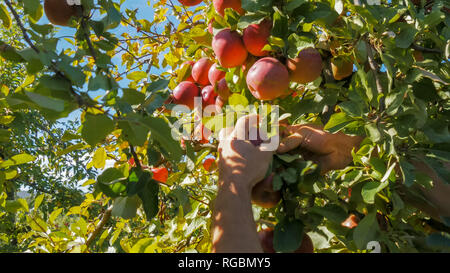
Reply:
x=306, y=67
x=341, y=68
x=185, y=92
x=58, y=12
x=215, y=75
x=268, y=79
x=221, y=5
x=200, y=71
x=190, y=3
x=208, y=95
x=229, y=48
x=256, y=36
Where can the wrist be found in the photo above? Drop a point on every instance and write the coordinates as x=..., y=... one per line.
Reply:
x=234, y=184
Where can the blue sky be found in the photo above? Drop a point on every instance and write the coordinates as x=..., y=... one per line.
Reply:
x=145, y=11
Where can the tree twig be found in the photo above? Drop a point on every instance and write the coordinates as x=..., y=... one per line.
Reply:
x=106, y=216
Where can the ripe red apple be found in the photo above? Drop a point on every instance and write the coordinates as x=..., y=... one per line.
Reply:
x=59, y=12
x=263, y=194
x=268, y=79
x=221, y=5
x=185, y=92
x=229, y=48
x=255, y=37
x=351, y=222
x=200, y=71
x=222, y=89
x=306, y=67
x=160, y=174
x=266, y=239
x=219, y=104
x=208, y=95
x=189, y=76
x=209, y=164
x=190, y=3
x=215, y=75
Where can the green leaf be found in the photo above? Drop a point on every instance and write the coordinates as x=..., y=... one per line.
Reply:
x=249, y=19
x=96, y=128
x=38, y=201
x=337, y=122
x=46, y=102
x=149, y=196
x=160, y=84
x=256, y=5
x=293, y=4
x=288, y=235
x=366, y=231
x=161, y=132
x=137, y=76
x=110, y=182
x=4, y=16
x=332, y=212
x=370, y=189
x=406, y=36
x=280, y=24
x=132, y=96
x=125, y=207
x=134, y=129
x=17, y=160
x=298, y=43
x=100, y=81
x=289, y=175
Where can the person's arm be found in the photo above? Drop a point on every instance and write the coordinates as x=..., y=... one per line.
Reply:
x=241, y=166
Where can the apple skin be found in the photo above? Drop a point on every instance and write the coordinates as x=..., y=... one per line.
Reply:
x=58, y=12
x=266, y=239
x=210, y=26
x=229, y=48
x=221, y=5
x=208, y=95
x=351, y=221
x=306, y=67
x=191, y=63
x=215, y=75
x=200, y=71
x=255, y=37
x=190, y=3
x=263, y=194
x=185, y=92
x=341, y=69
x=268, y=79
x=222, y=89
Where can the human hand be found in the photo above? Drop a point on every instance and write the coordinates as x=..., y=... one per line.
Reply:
x=240, y=161
x=330, y=151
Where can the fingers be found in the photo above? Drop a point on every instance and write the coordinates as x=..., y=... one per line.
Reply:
x=309, y=137
x=246, y=127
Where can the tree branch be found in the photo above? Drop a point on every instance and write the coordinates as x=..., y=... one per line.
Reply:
x=106, y=216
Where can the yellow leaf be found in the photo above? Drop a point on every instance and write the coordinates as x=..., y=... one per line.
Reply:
x=99, y=158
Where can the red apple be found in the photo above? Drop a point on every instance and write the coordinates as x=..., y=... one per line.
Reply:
x=351, y=222
x=190, y=3
x=160, y=174
x=185, y=93
x=222, y=89
x=229, y=48
x=208, y=95
x=268, y=79
x=221, y=5
x=263, y=194
x=215, y=75
x=306, y=67
x=255, y=37
x=200, y=71
x=209, y=164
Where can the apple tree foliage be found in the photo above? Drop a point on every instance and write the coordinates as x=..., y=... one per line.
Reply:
x=398, y=102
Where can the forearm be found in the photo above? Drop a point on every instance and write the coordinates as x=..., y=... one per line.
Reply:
x=234, y=229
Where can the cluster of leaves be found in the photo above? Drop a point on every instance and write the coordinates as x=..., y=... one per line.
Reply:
x=399, y=103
